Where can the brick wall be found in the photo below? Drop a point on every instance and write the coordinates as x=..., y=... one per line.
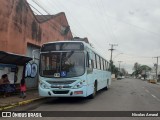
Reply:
x=19, y=26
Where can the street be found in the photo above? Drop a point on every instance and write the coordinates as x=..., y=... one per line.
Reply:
x=123, y=95
x=56, y=54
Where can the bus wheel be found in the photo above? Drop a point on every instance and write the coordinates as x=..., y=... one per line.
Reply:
x=94, y=92
x=106, y=88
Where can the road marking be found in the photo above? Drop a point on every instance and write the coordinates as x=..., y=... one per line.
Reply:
x=147, y=90
x=151, y=94
x=18, y=104
x=155, y=97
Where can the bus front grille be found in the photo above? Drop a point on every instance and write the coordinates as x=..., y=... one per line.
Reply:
x=61, y=82
x=60, y=86
x=61, y=92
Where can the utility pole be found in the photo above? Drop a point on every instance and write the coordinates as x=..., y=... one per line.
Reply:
x=157, y=67
x=111, y=62
x=119, y=65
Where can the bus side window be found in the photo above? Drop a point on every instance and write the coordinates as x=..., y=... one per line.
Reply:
x=87, y=60
x=98, y=62
x=103, y=64
x=89, y=63
x=107, y=66
x=94, y=61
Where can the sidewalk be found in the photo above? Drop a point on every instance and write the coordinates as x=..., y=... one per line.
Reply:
x=14, y=100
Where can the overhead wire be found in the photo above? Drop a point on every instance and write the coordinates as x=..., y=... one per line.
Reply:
x=138, y=56
x=109, y=25
x=98, y=43
x=107, y=14
x=48, y=22
x=94, y=13
x=135, y=26
x=40, y=6
x=74, y=18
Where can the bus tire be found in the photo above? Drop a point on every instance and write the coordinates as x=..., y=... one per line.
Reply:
x=92, y=96
x=106, y=88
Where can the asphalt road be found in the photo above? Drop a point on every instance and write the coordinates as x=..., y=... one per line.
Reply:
x=123, y=95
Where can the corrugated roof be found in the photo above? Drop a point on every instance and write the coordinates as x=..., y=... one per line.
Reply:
x=10, y=58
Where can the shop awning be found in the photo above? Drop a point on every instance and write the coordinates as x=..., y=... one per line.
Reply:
x=11, y=58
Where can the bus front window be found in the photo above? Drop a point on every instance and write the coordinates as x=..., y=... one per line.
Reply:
x=70, y=63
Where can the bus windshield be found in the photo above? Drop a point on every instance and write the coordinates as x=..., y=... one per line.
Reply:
x=62, y=64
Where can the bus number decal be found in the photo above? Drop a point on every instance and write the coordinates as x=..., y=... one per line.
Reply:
x=56, y=74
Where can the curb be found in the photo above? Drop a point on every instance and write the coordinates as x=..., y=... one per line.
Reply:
x=9, y=106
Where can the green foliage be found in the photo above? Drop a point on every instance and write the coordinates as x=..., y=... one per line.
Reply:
x=140, y=69
x=113, y=69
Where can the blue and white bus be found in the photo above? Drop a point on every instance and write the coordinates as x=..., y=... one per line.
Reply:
x=72, y=69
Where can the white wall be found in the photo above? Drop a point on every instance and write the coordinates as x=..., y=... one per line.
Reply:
x=6, y=70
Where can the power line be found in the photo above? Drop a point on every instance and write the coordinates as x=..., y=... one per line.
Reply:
x=44, y=17
x=136, y=26
x=75, y=19
x=105, y=28
x=138, y=56
x=54, y=26
x=111, y=30
x=120, y=64
x=43, y=8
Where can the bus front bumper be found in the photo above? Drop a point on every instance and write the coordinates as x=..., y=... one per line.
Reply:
x=80, y=92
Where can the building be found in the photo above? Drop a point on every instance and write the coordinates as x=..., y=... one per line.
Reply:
x=21, y=31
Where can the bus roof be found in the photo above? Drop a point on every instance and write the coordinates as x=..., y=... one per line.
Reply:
x=86, y=45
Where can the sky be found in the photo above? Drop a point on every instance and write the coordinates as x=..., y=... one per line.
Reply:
x=132, y=24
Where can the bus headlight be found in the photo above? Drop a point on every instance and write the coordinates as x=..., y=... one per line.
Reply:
x=44, y=86
x=78, y=85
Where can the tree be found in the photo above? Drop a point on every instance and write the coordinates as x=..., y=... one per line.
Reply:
x=123, y=71
x=113, y=69
x=140, y=70
x=136, y=69
x=143, y=70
